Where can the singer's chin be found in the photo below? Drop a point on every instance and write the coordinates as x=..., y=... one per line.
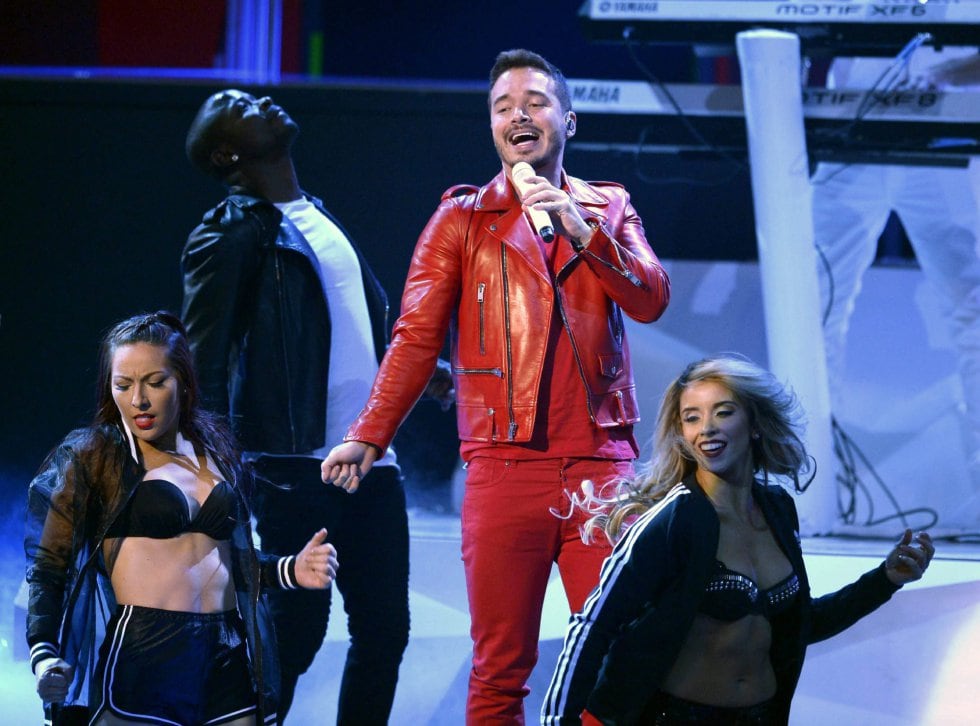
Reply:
x=532, y=161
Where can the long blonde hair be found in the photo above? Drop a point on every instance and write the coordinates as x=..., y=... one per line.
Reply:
x=774, y=413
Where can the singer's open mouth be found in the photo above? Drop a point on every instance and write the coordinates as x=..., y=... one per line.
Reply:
x=523, y=136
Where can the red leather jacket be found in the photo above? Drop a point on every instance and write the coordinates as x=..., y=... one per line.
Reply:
x=479, y=267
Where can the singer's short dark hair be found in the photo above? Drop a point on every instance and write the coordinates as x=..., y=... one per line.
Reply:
x=521, y=58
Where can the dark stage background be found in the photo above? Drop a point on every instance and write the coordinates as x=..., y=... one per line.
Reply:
x=98, y=197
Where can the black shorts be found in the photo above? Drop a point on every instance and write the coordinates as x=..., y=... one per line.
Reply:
x=174, y=668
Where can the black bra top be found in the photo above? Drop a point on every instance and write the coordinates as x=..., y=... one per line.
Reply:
x=730, y=595
x=159, y=509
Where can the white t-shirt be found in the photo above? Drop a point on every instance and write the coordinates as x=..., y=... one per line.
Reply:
x=353, y=361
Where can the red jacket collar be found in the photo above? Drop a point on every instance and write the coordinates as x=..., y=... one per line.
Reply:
x=499, y=194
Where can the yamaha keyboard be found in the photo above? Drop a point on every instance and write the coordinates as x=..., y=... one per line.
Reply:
x=900, y=126
x=842, y=27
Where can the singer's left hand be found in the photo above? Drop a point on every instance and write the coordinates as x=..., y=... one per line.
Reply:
x=546, y=197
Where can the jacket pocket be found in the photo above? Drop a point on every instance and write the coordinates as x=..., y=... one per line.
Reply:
x=476, y=422
x=611, y=365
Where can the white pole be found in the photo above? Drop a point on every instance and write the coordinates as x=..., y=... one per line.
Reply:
x=771, y=86
x=253, y=40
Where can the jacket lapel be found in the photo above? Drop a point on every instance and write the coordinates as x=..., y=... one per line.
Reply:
x=786, y=536
x=514, y=229
x=511, y=226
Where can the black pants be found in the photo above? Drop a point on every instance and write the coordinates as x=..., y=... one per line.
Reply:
x=369, y=528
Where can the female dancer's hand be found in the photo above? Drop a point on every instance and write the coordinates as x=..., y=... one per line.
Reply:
x=316, y=563
x=53, y=676
x=910, y=558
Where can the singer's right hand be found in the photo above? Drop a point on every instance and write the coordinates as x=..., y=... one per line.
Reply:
x=540, y=196
x=348, y=463
x=53, y=676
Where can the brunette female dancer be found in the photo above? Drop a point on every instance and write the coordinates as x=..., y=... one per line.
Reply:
x=143, y=518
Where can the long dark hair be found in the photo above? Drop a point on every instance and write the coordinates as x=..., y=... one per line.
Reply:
x=206, y=431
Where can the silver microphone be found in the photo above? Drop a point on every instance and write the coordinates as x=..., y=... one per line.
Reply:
x=540, y=221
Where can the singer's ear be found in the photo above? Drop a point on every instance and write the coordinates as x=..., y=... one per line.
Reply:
x=570, y=123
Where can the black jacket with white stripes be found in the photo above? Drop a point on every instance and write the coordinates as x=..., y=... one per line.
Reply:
x=73, y=502
x=619, y=649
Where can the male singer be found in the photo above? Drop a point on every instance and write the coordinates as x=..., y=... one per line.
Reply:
x=287, y=323
x=545, y=395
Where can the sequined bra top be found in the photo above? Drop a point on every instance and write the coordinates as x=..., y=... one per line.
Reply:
x=159, y=509
x=730, y=595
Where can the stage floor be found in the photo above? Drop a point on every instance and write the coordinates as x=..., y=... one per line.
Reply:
x=911, y=663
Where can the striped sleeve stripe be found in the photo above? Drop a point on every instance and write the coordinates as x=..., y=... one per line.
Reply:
x=578, y=631
x=40, y=651
x=286, y=569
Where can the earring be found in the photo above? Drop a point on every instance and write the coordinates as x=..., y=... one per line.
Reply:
x=755, y=435
x=234, y=158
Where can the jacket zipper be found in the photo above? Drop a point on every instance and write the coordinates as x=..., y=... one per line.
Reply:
x=628, y=274
x=282, y=342
x=488, y=371
x=258, y=667
x=578, y=360
x=480, y=290
x=512, y=425
x=75, y=575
